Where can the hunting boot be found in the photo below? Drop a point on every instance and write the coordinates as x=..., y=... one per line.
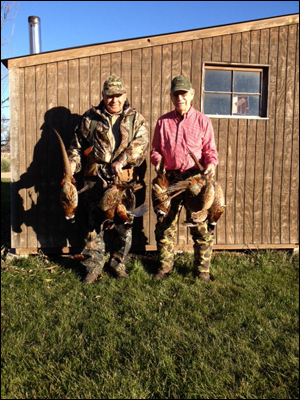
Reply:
x=118, y=267
x=162, y=274
x=91, y=277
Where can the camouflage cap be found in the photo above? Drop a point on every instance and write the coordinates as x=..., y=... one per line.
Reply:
x=114, y=85
x=180, y=83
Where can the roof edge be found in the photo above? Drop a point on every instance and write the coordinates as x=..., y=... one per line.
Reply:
x=291, y=18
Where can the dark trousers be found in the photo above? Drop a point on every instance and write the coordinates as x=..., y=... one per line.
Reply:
x=95, y=243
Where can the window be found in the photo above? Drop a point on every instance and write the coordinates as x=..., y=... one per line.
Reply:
x=235, y=91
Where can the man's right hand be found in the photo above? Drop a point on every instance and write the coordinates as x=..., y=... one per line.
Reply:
x=157, y=167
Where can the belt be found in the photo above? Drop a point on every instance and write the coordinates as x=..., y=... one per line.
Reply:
x=186, y=174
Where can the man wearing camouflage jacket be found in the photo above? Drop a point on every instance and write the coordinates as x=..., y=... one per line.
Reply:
x=111, y=139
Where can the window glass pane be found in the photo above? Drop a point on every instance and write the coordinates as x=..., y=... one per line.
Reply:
x=217, y=81
x=246, y=82
x=218, y=104
x=245, y=105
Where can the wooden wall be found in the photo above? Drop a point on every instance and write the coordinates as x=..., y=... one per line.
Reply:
x=258, y=158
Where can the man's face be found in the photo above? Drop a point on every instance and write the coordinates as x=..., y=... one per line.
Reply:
x=182, y=100
x=114, y=104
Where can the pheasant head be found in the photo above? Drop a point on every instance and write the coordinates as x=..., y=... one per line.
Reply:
x=69, y=198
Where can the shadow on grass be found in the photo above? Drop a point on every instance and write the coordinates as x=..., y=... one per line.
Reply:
x=150, y=261
x=183, y=263
x=69, y=262
x=73, y=263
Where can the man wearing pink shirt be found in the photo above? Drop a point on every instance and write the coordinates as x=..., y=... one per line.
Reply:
x=176, y=133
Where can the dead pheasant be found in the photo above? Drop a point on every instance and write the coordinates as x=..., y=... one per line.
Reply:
x=160, y=184
x=68, y=194
x=199, y=192
x=218, y=206
x=117, y=204
x=203, y=197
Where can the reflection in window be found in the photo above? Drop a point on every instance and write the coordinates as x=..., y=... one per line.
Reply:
x=235, y=91
x=217, y=104
x=218, y=81
x=246, y=82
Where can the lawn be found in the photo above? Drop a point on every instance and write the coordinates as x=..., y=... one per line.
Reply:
x=234, y=338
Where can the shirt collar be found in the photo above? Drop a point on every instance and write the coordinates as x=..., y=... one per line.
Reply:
x=186, y=115
x=113, y=115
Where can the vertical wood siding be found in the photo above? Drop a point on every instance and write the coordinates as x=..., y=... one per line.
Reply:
x=258, y=159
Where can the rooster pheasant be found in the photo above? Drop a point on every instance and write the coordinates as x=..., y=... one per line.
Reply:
x=117, y=204
x=209, y=209
x=160, y=184
x=203, y=197
x=68, y=194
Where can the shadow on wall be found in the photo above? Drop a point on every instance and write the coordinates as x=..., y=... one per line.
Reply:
x=36, y=195
x=38, y=206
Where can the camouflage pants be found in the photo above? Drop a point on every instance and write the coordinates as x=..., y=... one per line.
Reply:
x=95, y=242
x=165, y=234
x=95, y=254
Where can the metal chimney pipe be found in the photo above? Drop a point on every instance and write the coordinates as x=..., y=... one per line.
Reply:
x=35, y=35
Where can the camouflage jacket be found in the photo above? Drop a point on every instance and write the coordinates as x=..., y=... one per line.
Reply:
x=131, y=151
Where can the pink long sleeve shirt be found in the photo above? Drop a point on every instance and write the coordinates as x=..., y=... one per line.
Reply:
x=175, y=135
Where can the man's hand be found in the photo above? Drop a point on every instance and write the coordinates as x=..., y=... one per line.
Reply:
x=116, y=168
x=157, y=167
x=160, y=166
x=210, y=170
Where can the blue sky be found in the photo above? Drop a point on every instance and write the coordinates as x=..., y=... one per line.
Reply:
x=77, y=23
x=67, y=24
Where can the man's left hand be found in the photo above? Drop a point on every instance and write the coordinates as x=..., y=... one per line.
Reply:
x=210, y=170
x=116, y=168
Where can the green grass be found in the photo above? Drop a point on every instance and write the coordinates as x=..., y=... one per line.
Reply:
x=139, y=338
